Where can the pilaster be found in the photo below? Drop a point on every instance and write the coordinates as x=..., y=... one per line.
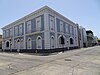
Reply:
x=46, y=32
x=24, y=37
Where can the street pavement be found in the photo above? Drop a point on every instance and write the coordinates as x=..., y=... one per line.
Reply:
x=84, y=61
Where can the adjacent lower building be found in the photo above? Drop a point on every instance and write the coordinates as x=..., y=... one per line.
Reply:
x=83, y=37
x=44, y=29
x=95, y=40
x=90, y=37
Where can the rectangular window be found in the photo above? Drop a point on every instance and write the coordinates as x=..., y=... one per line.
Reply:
x=28, y=26
x=52, y=23
x=61, y=27
x=71, y=30
x=38, y=24
x=4, y=34
x=11, y=31
x=7, y=33
x=20, y=29
x=67, y=29
x=16, y=31
x=74, y=31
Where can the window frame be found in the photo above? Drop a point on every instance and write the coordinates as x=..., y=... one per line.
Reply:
x=29, y=23
x=67, y=28
x=38, y=23
x=7, y=31
x=29, y=43
x=20, y=29
x=39, y=42
x=52, y=23
x=61, y=26
x=11, y=31
x=71, y=29
x=16, y=30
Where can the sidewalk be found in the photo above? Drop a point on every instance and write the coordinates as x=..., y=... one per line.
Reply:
x=39, y=56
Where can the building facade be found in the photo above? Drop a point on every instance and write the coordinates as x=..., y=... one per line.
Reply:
x=83, y=37
x=95, y=40
x=43, y=29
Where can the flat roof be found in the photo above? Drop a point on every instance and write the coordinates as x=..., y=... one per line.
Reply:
x=45, y=7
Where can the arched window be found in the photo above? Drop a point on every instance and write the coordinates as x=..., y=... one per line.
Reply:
x=52, y=42
x=71, y=41
x=62, y=40
x=7, y=44
x=29, y=43
x=39, y=42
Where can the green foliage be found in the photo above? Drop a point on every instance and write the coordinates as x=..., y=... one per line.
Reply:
x=98, y=40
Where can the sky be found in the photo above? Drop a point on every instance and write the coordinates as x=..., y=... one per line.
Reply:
x=84, y=12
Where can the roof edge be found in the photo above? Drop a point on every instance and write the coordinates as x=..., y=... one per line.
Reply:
x=42, y=8
x=24, y=17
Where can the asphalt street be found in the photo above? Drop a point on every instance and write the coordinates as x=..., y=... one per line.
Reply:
x=84, y=61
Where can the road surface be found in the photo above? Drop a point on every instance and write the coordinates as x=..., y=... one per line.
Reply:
x=85, y=61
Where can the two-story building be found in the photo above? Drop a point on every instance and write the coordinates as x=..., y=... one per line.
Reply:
x=44, y=29
x=95, y=40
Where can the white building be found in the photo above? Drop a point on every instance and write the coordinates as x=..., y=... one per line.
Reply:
x=43, y=29
x=83, y=37
x=95, y=40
